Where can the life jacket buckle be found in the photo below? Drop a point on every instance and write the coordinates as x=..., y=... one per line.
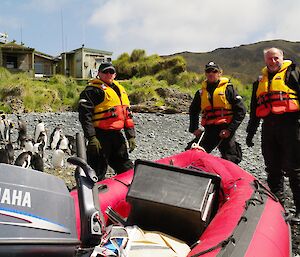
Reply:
x=281, y=97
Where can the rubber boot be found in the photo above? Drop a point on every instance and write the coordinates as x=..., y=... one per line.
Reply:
x=280, y=197
x=296, y=218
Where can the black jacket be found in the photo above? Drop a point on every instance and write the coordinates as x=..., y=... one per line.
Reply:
x=89, y=98
x=292, y=80
x=236, y=101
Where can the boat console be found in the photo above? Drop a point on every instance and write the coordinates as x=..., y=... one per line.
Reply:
x=177, y=201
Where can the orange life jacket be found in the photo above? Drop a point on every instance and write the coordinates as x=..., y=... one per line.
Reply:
x=113, y=113
x=221, y=110
x=275, y=97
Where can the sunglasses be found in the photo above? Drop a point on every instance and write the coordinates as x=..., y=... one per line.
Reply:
x=213, y=71
x=110, y=71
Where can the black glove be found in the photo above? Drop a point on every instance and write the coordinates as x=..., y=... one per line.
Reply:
x=131, y=144
x=94, y=146
x=249, y=139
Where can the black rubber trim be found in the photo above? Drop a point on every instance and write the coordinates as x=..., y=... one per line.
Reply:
x=244, y=232
x=238, y=242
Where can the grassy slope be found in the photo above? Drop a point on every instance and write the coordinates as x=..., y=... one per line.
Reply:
x=55, y=94
x=243, y=62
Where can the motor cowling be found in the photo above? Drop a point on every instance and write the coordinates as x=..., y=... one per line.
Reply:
x=37, y=216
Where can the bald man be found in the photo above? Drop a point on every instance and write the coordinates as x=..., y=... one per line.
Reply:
x=275, y=100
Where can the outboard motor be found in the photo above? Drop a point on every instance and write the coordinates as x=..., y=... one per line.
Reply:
x=37, y=216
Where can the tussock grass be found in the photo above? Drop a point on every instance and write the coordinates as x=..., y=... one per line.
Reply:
x=54, y=94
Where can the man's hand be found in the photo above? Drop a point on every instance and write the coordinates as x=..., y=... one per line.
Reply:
x=249, y=139
x=224, y=133
x=131, y=144
x=94, y=145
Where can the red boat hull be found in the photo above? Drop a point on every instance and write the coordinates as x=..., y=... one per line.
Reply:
x=242, y=226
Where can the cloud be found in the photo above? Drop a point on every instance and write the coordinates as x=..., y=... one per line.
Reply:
x=169, y=26
x=285, y=22
x=158, y=26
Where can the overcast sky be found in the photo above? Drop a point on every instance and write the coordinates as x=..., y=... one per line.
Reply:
x=157, y=26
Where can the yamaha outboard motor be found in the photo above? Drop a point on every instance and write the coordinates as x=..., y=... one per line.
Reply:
x=37, y=216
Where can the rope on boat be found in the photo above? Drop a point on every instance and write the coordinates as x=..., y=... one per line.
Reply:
x=197, y=145
x=261, y=188
x=222, y=244
x=118, y=180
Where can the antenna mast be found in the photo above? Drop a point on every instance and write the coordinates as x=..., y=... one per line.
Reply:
x=62, y=30
x=21, y=30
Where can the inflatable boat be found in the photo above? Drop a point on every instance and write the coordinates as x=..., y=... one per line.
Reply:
x=212, y=204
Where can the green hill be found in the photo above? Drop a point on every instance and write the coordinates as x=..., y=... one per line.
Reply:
x=243, y=62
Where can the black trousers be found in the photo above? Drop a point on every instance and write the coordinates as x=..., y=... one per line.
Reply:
x=281, y=152
x=229, y=148
x=113, y=153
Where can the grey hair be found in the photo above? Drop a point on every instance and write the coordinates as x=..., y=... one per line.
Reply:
x=272, y=49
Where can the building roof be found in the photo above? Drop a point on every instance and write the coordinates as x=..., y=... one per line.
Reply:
x=15, y=47
x=43, y=55
x=90, y=50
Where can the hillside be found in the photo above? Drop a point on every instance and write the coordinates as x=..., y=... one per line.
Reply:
x=243, y=62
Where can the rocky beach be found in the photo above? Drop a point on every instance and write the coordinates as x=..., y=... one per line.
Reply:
x=158, y=135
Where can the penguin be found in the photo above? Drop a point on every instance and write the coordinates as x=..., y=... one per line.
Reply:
x=28, y=145
x=5, y=128
x=72, y=144
x=24, y=159
x=10, y=152
x=37, y=162
x=7, y=154
x=58, y=159
x=42, y=141
x=22, y=132
x=2, y=127
x=63, y=144
x=54, y=138
x=9, y=127
x=38, y=148
x=4, y=156
x=40, y=127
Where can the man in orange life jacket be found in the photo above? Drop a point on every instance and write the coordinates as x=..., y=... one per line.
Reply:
x=103, y=113
x=275, y=99
x=222, y=111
